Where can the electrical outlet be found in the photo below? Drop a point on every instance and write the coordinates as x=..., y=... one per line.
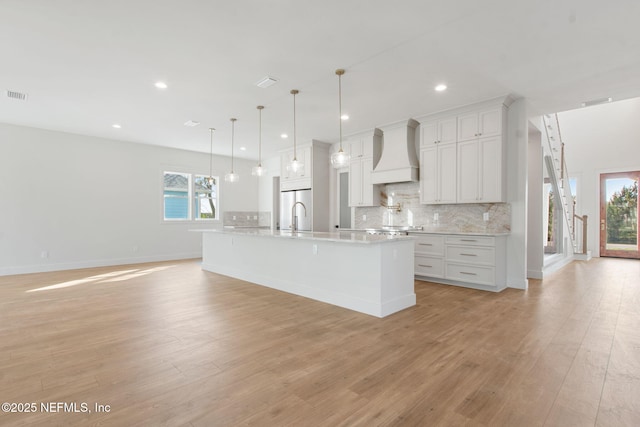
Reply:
x=485, y=216
x=255, y=217
x=436, y=216
x=315, y=249
x=364, y=217
x=248, y=216
x=234, y=217
x=44, y=254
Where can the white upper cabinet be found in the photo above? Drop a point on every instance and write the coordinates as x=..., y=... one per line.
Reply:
x=365, y=150
x=481, y=171
x=438, y=132
x=438, y=174
x=462, y=155
x=480, y=124
x=301, y=179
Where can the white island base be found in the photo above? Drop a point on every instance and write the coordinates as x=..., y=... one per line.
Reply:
x=365, y=273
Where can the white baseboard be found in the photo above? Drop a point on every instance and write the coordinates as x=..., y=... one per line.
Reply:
x=556, y=265
x=534, y=274
x=582, y=257
x=43, y=268
x=518, y=283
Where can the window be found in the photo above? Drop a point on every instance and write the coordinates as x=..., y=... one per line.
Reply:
x=205, y=197
x=179, y=188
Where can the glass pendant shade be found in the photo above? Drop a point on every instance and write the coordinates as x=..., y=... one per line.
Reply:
x=340, y=159
x=231, y=176
x=295, y=165
x=210, y=180
x=259, y=170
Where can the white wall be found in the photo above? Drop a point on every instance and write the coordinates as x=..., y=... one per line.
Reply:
x=517, y=180
x=535, y=211
x=600, y=139
x=88, y=201
x=265, y=187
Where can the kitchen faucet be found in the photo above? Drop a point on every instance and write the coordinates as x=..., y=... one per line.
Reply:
x=294, y=226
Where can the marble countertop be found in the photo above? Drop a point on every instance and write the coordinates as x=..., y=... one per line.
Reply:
x=434, y=230
x=342, y=236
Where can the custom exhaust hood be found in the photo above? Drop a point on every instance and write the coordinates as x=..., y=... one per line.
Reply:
x=399, y=161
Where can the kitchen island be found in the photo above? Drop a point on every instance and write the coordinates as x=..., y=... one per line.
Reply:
x=371, y=274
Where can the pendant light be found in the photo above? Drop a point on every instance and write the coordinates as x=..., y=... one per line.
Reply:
x=232, y=176
x=210, y=179
x=295, y=165
x=340, y=159
x=259, y=170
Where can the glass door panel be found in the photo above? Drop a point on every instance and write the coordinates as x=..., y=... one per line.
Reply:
x=619, y=215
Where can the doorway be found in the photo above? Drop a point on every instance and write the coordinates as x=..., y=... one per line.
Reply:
x=343, y=198
x=619, y=215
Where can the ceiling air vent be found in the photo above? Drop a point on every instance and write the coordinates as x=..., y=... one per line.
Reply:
x=16, y=95
x=266, y=82
x=596, y=102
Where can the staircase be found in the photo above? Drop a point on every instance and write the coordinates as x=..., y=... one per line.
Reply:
x=557, y=165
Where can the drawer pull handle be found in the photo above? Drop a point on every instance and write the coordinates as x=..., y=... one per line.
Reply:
x=425, y=244
x=469, y=274
x=468, y=254
x=424, y=265
x=468, y=240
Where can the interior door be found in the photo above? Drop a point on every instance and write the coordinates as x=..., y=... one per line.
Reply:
x=619, y=215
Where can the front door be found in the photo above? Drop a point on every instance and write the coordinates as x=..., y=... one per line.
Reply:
x=619, y=215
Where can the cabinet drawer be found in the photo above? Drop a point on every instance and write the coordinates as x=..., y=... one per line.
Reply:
x=429, y=266
x=471, y=240
x=471, y=254
x=429, y=244
x=471, y=273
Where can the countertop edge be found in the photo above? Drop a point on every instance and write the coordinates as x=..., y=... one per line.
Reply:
x=367, y=239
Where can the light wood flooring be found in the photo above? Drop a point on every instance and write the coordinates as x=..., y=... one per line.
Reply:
x=169, y=344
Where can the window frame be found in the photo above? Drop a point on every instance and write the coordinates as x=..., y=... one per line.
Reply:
x=190, y=197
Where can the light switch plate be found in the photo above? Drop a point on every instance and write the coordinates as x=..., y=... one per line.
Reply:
x=485, y=216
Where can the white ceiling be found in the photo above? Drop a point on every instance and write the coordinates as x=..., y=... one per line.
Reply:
x=88, y=64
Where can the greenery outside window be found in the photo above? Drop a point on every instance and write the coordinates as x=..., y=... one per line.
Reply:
x=205, y=197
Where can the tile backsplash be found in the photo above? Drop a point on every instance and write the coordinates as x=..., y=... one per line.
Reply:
x=246, y=218
x=458, y=217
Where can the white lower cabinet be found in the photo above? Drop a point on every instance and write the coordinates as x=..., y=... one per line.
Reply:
x=429, y=255
x=463, y=260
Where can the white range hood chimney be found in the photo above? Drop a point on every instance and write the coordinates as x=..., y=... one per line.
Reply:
x=399, y=161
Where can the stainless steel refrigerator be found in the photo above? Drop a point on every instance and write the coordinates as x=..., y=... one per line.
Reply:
x=287, y=201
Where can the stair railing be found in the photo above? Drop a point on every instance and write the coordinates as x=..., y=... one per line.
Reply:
x=561, y=175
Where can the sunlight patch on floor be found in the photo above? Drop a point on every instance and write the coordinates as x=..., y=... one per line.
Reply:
x=114, y=276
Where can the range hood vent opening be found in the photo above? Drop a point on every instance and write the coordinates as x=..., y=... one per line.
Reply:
x=399, y=161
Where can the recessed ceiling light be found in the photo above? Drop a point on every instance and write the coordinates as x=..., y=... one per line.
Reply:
x=266, y=82
x=161, y=85
x=284, y=136
x=344, y=117
x=243, y=148
x=441, y=87
x=116, y=125
x=191, y=123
